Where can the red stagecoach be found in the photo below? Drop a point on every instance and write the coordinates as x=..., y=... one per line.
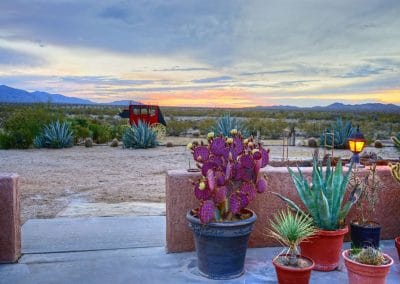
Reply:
x=150, y=114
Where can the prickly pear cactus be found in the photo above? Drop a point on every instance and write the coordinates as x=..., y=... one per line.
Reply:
x=230, y=178
x=395, y=170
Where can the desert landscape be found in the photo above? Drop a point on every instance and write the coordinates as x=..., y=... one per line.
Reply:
x=106, y=181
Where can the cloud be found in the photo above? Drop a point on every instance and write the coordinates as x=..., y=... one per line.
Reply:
x=364, y=71
x=213, y=79
x=13, y=57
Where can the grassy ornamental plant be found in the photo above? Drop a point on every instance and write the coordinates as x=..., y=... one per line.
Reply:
x=290, y=230
x=230, y=176
x=324, y=197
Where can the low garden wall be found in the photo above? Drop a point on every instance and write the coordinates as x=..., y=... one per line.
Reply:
x=180, y=199
x=10, y=229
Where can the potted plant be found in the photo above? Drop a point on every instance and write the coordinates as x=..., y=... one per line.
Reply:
x=367, y=265
x=290, y=230
x=395, y=170
x=364, y=230
x=229, y=181
x=324, y=200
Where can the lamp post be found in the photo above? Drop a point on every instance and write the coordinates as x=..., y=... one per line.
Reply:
x=356, y=145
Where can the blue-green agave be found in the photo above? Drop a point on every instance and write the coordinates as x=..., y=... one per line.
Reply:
x=54, y=135
x=139, y=136
x=342, y=131
x=396, y=140
x=323, y=198
x=226, y=123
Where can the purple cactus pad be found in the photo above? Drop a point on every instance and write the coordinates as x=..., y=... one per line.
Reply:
x=244, y=200
x=249, y=190
x=265, y=157
x=201, y=153
x=202, y=194
x=246, y=161
x=211, y=179
x=218, y=146
x=207, y=211
x=209, y=165
x=220, y=178
x=220, y=194
x=261, y=185
x=237, y=146
x=234, y=202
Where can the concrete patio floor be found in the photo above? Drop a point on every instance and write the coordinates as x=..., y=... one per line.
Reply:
x=130, y=250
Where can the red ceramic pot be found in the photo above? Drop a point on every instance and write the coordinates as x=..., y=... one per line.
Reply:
x=290, y=275
x=359, y=273
x=324, y=248
x=397, y=244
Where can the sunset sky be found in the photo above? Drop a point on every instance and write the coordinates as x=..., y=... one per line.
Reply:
x=204, y=53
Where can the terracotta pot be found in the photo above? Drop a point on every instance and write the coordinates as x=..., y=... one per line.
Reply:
x=397, y=244
x=289, y=275
x=324, y=249
x=359, y=273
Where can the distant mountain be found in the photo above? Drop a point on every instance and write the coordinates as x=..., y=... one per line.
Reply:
x=12, y=95
x=373, y=107
x=123, y=103
x=278, y=107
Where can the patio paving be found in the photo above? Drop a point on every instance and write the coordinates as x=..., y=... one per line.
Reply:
x=130, y=250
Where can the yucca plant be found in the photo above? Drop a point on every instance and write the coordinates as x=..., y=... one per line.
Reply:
x=54, y=135
x=396, y=140
x=290, y=230
x=139, y=136
x=323, y=198
x=341, y=130
x=226, y=123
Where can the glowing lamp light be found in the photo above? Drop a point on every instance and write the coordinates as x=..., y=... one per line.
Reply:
x=356, y=144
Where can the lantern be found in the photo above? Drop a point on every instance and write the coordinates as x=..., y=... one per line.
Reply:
x=356, y=144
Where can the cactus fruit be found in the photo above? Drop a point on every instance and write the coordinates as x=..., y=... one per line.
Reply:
x=369, y=256
x=395, y=170
x=230, y=175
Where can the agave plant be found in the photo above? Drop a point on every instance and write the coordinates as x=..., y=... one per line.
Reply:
x=139, y=136
x=341, y=130
x=226, y=123
x=54, y=135
x=290, y=230
x=323, y=198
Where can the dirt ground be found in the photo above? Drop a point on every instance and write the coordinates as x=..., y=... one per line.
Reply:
x=106, y=181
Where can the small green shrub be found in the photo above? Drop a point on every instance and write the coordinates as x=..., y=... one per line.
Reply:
x=178, y=127
x=100, y=133
x=140, y=136
x=88, y=142
x=54, y=135
x=114, y=143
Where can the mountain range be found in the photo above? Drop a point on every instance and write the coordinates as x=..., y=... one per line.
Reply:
x=12, y=95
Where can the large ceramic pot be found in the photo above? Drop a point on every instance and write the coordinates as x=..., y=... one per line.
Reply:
x=365, y=235
x=397, y=244
x=221, y=247
x=359, y=273
x=324, y=248
x=290, y=275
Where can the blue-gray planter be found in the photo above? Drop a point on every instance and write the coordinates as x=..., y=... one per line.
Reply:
x=221, y=247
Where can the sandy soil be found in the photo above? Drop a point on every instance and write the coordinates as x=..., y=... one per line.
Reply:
x=105, y=181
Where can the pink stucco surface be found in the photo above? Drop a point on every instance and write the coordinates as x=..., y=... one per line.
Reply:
x=10, y=229
x=180, y=199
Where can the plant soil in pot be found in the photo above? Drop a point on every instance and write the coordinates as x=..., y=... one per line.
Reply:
x=325, y=203
x=372, y=273
x=221, y=247
x=288, y=274
x=229, y=181
x=366, y=234
x=324, y=248
x=397, y=244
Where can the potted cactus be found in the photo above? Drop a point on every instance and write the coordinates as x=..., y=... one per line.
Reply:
x=229, y=181
x=364, y=230
x=367, y=265
x=395, y=170
x=324, y=200
x=290, y=230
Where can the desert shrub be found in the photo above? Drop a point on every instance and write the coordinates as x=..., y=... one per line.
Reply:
x=100, y=133
x=54, y=135
x=205, y=125
x=114, y=143
x=169, y=144
x=139, y=136
x=117, y=131
x=378, y=144
x=88, y=142
x=24, y=124
x=312, y=143
x=177, y=127
x=342, y=131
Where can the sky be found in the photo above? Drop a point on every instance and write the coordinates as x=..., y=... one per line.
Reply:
x=228, y=53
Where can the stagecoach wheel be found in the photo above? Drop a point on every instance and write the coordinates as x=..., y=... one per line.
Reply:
x=160, y=130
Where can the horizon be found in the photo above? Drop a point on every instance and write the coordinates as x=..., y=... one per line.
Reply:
x=228, y=54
